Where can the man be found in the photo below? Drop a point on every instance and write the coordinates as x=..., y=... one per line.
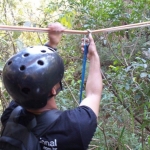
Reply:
x=33, y=79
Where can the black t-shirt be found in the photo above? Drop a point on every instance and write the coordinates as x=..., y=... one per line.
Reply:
x=73, y=130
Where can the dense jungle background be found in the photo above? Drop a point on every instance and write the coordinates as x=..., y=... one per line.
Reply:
x=124, y=117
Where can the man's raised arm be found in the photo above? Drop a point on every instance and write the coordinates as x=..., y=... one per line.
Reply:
x=94, y=80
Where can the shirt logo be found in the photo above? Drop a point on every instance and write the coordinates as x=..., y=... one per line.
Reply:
x=48, y=145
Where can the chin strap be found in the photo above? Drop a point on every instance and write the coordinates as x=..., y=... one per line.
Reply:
x=51, y=48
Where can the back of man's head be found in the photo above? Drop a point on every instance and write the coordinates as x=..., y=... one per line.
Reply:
x=30, y=75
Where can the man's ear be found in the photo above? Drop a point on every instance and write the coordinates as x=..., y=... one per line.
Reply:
x=53, y=91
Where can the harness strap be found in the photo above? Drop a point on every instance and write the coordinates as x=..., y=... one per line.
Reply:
x=38, y=124
x=45, y=121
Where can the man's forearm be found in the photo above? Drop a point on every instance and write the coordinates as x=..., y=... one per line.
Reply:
x=94, y=80
x=93, y=85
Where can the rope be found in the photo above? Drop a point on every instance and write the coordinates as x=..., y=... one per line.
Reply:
x=83, y=68
x=112, y=29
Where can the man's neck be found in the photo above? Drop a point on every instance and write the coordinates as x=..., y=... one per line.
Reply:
x=51, y=104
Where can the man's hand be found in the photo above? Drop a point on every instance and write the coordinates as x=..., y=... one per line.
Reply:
x=92, y=47
x=55, y=34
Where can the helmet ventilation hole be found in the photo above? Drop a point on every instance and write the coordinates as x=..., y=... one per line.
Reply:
x=9, y=62
x=40, y=62
x=22, y=68
x=43, y=51
x=25, y=55
x=26, y=90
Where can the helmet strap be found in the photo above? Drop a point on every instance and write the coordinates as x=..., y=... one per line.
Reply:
x=61, y=86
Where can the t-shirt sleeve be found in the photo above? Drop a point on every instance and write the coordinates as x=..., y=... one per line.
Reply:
x=86, y=121
x=8, y=111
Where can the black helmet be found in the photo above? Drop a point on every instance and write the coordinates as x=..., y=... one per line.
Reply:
x=30, y=75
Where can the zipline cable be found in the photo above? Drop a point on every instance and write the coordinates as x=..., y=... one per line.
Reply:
x=112, y=29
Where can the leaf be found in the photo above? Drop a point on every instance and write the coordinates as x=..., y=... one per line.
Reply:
x=143, y=75
x=105, y=42
x=63, y=100
x=128, y=68
x=121, y=135
x=16, y=34
x=127, y=87
x=145, y=66
x=149, y=140
x=86, y=26
x=144, y=61
x=137, y=97
x=146, y=123
x=64, y=108
x=20, y=44
x=27, y=24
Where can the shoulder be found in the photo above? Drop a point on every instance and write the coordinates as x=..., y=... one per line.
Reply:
x=81, y=111
x=81, y=116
